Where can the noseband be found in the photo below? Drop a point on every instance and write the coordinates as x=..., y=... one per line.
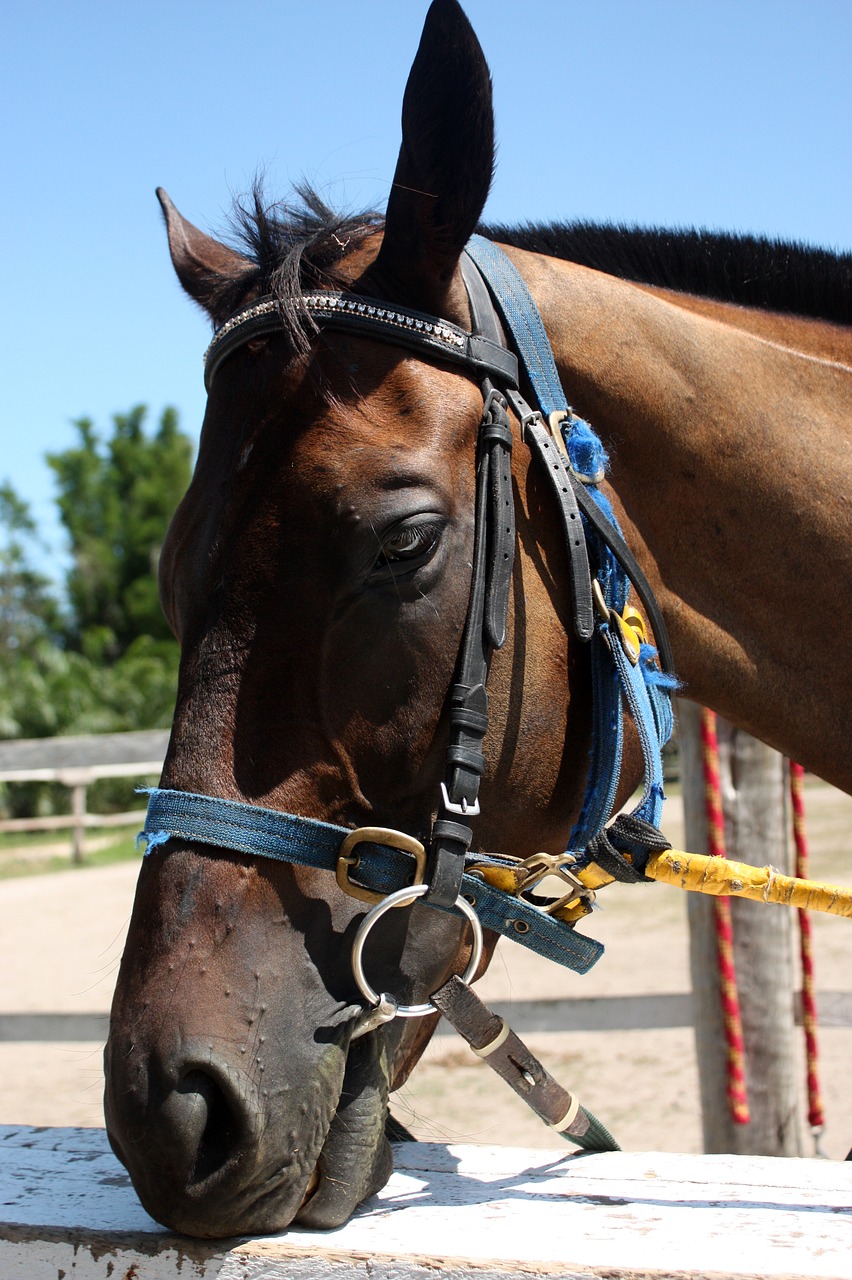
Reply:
x=373, y=862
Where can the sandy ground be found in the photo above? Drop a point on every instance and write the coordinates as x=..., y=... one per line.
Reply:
x=61, y=937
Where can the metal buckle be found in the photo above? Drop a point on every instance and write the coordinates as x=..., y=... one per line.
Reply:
x=465, y=809
x=554, y=422
x=630, y=627
x=601, y=606
x=524, y=412
x=347, y=861
x=541, y=865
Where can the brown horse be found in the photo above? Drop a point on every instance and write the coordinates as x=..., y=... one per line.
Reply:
x=317, y=575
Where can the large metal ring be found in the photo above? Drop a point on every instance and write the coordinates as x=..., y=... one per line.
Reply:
x=396, y=899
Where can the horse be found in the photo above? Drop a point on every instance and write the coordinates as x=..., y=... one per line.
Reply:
x=318, y=574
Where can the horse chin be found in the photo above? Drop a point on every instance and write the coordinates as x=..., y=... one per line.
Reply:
x=316, y=1172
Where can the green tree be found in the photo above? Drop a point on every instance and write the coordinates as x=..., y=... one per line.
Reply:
x=104, y=660
x=28, y=607
x=116, y=497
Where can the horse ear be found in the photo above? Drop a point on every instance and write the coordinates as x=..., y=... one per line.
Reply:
x=446, y=160
x=207, y=269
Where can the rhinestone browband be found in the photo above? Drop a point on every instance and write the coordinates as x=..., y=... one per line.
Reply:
x=400, y=325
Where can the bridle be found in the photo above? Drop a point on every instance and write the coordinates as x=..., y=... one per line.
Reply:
x=375, y=863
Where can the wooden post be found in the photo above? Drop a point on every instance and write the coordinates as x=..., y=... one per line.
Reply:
x=754, y=799
x=78, y=818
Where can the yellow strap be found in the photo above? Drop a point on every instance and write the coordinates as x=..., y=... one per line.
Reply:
x=702, y=874
x=699, y=873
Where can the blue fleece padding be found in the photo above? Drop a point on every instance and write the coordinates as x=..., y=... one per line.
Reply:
x=585, y=450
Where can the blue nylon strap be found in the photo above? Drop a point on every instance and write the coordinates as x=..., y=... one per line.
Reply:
x=522, y=316
x=650, y=807
x=606, y=750
x=307, y=842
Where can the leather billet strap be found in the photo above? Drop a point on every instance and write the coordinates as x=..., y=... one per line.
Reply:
x=625, y=557
x=543, y=446
x=485, y=630
x=372, y=318
x=383, y=868
x=486, y=621
x=493, y=1040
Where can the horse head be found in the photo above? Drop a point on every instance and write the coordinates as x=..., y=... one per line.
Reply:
x=318, y=577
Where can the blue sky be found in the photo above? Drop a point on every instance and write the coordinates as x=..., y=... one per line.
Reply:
x=697, y=112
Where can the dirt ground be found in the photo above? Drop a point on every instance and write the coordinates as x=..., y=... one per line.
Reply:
x=61, y=937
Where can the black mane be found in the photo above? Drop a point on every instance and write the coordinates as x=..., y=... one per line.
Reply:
x=294, y=247
x=754, y=272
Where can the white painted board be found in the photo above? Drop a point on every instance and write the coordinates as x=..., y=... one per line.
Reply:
x=66, y=1206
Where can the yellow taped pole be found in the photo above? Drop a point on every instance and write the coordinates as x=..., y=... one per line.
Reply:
x=698, y=873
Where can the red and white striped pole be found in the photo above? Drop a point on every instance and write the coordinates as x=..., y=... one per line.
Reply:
x=816, y=1114
x=735, y=1081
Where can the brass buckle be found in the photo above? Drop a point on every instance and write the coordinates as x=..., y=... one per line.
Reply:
x=630, y=626
x=541, y=865
x=555, y=421
x=347, y=861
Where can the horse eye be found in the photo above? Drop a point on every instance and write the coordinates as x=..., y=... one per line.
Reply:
x=411, y=542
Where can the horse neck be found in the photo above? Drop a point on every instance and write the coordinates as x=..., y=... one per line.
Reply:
x=797, y=333
x=732, y=470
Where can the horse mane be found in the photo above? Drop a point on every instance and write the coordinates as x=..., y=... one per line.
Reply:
x=294, y=246
x=773, y=275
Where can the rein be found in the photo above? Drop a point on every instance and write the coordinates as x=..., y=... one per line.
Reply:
x=495, y=892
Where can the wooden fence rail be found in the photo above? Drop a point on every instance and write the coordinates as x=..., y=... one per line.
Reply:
x=466, y=1213
x=77, y=762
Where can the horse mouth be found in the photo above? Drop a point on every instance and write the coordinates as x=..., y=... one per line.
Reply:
x=356, y=1159
x=313, y=1183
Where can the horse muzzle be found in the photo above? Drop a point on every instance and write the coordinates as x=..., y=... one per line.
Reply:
x=218, y=1148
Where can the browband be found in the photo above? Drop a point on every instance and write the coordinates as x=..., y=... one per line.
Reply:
x=402, y=326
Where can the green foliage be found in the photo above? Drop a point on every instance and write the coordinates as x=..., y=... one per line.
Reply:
x=28, y=610
x=115, y=500
x=103, y=660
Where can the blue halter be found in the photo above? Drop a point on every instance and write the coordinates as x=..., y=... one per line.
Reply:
x=385, y=860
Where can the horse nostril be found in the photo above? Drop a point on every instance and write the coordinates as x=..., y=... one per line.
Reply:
x=205, y=1122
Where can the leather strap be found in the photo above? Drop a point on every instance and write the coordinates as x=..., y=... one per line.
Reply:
x=485, y=630
x=485, y=627
x=631, y=567
x=495, y=437
x=494, y=1041
x=547, y=451
x=402, y=326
